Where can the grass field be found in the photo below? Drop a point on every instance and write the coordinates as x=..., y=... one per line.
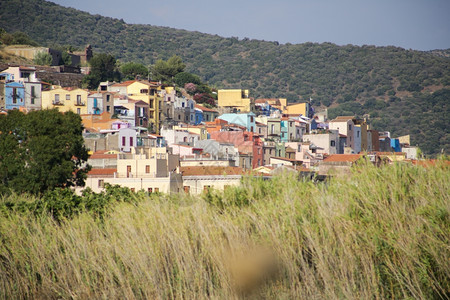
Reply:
x=381, y=233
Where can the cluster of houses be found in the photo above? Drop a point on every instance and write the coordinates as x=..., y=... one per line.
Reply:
x=147, y=136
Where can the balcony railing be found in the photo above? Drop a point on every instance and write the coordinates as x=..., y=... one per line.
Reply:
x=79, y=103
x=57, y=102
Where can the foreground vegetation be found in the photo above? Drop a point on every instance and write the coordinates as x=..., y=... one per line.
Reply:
x=383, y=233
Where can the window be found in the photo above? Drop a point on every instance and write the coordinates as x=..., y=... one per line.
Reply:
x=207, y=117
x=151, y=103
x=133, y=190
x=108, y=98
x=144, y=91
x=14, y=100
x=349, y=127
x=259, y=129
x=101, y=183
x=186, y=189
x=206, y=188
x=147, y=169
x=131, y=141
x=123, y=140
x=79, y=98
x=333, y=144
x=168, y=99
x=150, y=190
x=251, y=128
x=156, y=190
x=151, y=115
x=182, y=104
x=251, y=118
x=33, y=94
x=191, y=118
x=67, y=96
x=56, y=97
x=272, y=127
x=79, y=111
x=357, y=134
x=108, y=108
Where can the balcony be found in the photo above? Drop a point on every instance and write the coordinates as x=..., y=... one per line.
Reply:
x=79, y=103
x=57, y=102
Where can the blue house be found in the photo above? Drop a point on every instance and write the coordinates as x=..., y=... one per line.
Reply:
x=14, y=95
x=246, y=120
x=395, y=145
x=198, y=116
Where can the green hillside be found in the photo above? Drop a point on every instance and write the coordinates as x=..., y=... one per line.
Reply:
x=391, y=84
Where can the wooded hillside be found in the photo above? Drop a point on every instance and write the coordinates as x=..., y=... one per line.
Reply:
x=391, y=84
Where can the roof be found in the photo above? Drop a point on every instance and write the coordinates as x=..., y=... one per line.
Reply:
x=211, y=170
x=97, y=172
x=343, y=158
x=203, y=108
x=342, y=119
x=103, y=156
x=125, y=83
x=286, y=159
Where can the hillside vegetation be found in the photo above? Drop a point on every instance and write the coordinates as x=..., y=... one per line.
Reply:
x=385, y=82
x=381, y=234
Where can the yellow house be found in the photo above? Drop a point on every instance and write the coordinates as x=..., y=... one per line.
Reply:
x=236, y=99
x=364, y=127
x=297, y=109
x=66, y=99
x=150, y=93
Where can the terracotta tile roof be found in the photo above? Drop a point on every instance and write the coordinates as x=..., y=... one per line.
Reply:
x=125, y=83
x=202, y=170
x=343, y=158
x=203, y=108
x=286, y=159
x=103, y=156
x=97, y=172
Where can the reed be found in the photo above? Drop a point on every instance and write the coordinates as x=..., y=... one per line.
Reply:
x=380, y=233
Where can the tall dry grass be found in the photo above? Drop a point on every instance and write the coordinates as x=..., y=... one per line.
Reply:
x=382, y=233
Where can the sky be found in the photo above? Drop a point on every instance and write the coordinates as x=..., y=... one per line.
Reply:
x=410, y=24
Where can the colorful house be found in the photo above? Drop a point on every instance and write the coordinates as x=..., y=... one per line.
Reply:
x=236, y=100
x=246, y=120
x=209, y=115
x=66, y=99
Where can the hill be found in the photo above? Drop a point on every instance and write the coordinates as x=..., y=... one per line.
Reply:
x=395, y=86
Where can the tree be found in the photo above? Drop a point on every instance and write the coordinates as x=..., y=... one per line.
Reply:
x=205, y=99
x=103, y=68
x=131, y=69
x=167, y=70
x=184, y=77
x=43, y=59
x=190, y=88
x=41, y=150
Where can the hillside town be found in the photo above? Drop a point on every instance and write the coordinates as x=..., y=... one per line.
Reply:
x=148, y=136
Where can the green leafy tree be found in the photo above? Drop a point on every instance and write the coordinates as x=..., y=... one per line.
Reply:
x=103, y=68
x=184, y=77
x=66, y=59
x=167, y=70
x=41, y=150
x=43, y=59
x=131, y=69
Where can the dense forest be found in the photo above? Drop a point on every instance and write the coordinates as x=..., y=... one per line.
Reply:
x=403, y=91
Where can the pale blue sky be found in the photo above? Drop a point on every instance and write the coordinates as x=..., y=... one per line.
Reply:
x=415, y=24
